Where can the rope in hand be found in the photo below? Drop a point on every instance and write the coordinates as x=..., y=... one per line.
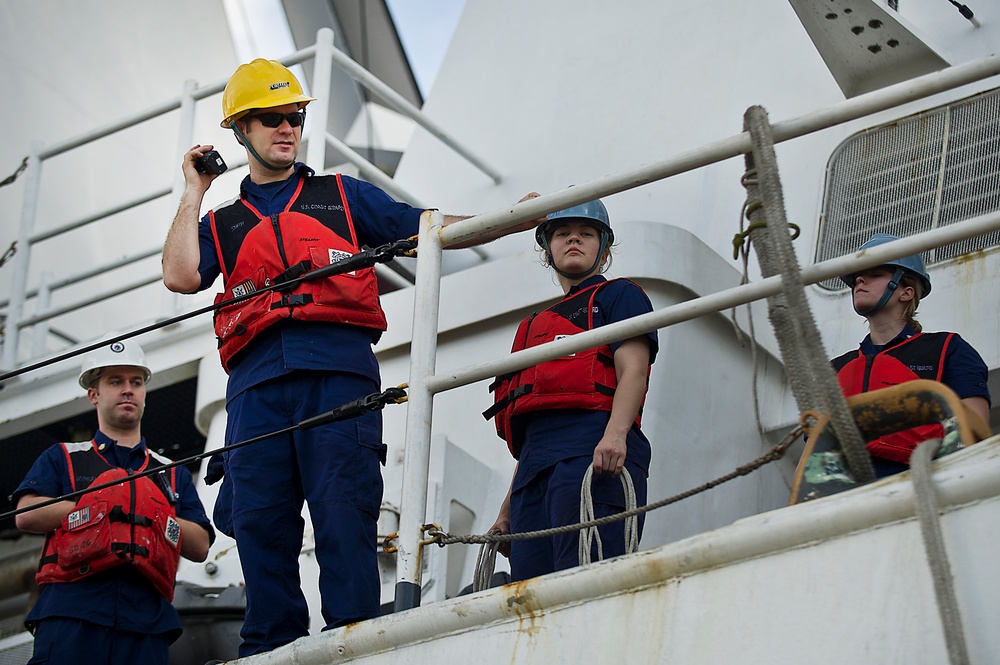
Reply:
x=486, y=563
x=778, y=451
x=589, y=536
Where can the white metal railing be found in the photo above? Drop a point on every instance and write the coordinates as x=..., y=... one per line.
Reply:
x=424, y=383
x=324, y=55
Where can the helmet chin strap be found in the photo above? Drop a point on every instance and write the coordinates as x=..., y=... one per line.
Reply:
x=578, y=275
x=243, y=140
x=890, y=288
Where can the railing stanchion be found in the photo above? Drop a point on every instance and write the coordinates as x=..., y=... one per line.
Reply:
x=319, y=110
x=171, y=302
x=41, y=329
x=423, y=351
x=15, y=309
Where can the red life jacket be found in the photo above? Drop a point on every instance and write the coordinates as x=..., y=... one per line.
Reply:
x=128, y=523
x=313, y=231
x=919, y=357
x=583, y=380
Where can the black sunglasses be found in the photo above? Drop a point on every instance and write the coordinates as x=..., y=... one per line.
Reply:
x=274, y=120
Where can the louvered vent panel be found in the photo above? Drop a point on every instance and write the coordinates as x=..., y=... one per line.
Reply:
x=931, y=169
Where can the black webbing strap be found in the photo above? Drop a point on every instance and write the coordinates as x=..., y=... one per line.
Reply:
x=129, y=549
x=502, y=404
x=294, y=272
x=118, y=514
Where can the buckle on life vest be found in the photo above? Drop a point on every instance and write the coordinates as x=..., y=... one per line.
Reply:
x=130, y=550
x=293, y=300
x=294, y=272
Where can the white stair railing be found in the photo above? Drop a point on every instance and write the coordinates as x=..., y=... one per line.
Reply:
x=324, y=55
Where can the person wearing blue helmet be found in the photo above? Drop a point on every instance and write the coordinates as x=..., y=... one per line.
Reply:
x=897, y=350
x=581, y=410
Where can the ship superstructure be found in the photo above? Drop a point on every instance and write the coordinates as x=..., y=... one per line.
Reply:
x=890, y=127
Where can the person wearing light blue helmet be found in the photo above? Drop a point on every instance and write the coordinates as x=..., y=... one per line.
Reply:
x=897, y=350
x=592, y=214
x=583, y=410
x=909, y=267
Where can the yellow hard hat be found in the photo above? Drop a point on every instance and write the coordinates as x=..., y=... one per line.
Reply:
x=260, y=84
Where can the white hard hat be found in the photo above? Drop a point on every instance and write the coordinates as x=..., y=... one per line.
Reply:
x=126, y=353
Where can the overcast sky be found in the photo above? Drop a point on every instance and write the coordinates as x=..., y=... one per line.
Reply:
x=425, y=27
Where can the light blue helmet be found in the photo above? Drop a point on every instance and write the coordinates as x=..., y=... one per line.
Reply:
x=592, y=212
x=911, y=265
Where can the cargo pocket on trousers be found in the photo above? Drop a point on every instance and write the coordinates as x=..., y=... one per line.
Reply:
x=370, y=455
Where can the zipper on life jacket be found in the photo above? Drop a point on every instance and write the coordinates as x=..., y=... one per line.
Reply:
x=527, y=330
x=869, y=360
x=131, y=512
x=281, y=243
x=286, y=300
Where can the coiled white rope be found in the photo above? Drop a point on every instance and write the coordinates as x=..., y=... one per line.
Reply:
x=486, y=563
x=590, y=535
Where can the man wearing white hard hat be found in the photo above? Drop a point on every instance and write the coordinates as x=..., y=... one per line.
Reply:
x=110, y=556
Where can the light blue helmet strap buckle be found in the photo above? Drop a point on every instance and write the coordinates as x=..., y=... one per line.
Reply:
x=246, y=143
x=890, y=288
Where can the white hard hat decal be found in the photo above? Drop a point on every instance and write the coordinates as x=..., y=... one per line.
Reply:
x=114, y=354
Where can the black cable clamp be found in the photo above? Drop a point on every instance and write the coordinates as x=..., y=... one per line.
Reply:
x=11, y=178
x=373, y=402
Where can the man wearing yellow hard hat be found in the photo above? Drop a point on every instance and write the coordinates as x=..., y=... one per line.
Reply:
x=292, y=355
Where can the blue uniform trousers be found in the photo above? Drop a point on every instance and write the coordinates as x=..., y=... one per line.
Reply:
x=60, y=641
x=552, y=499
x=335, y=468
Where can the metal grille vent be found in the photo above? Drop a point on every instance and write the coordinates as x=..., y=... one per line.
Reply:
x=927, y=170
